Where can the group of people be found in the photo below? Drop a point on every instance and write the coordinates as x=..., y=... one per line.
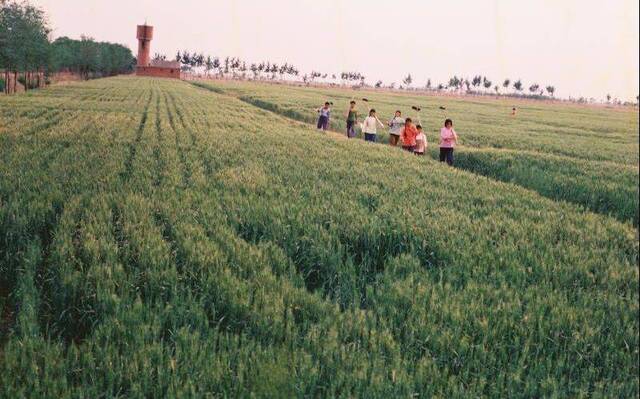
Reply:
x=401, y=131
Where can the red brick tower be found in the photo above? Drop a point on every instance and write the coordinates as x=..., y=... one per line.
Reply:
x=145, y=34
x=155, y=68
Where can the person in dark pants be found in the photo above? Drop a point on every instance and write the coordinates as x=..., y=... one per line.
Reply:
x=323, y=119
x=369, y=127
x=396, y=124
x=352, y=119
x=448, y=141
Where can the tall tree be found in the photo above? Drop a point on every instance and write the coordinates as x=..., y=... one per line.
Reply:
x=24, y=42
x=407, y=80
x=486, y=83
x=517, y=85
x=208, y=65
x=551, y=90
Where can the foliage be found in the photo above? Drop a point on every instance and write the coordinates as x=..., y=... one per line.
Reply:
x=518, y=85
x=25, y=48
x=23, y=37
x=88, y=57
x=407, y=80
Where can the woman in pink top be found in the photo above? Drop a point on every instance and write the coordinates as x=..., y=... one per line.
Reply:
x=448, y=140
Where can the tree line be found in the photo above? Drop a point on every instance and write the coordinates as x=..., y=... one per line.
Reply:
x=27, y=55
x=236, y=68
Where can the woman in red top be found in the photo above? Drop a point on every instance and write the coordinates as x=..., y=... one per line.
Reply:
x=408, y=136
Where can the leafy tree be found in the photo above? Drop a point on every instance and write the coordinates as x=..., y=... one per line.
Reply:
x=551, y=90
x=486, y=83
x=198, y=60
x=407, y=81
x=89, y=58
x=186, y=59
x=24, y=43
x=378, y=84
x=518, y=85
x=476, y=82
x=455, y=82
x=534, y=88
x=506, y=83
x=208, y=65
x=608, y=97
x=283, y=69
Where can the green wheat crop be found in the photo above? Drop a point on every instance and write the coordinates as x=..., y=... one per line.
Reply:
x=161, y=240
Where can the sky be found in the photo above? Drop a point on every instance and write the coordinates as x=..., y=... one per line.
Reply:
x=582, y=47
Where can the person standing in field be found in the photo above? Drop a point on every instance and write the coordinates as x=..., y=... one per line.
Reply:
x=369, y=127
x=421, y=142
x=323, y=119
x=352, y=119
x=395, y=126
x=408, y=135
x=448, y=140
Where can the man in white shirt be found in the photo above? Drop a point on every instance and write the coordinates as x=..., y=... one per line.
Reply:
x=369, y=126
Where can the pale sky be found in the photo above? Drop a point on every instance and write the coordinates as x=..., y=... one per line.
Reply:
x=583, y=47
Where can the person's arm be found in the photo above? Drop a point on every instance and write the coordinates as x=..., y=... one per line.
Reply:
x=455, y=136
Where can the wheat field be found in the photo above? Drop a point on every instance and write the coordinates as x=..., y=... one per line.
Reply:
x=160, y=238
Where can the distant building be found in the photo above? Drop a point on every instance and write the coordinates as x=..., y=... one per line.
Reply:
x=154, y=68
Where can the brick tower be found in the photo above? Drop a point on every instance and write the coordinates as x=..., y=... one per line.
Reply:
x=157, y=68
x=145, y=34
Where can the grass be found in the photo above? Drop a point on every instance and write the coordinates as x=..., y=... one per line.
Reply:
x=163, y=240
x=587, y=156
